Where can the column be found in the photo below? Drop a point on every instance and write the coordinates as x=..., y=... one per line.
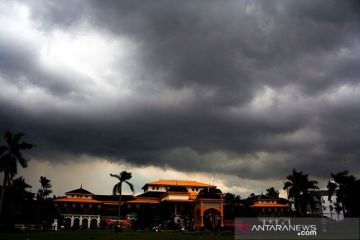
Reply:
x=89, y=221
x=202, y=214
x=195, y=217
x=72, y=221
x=222, y=213
x=98, y=221
x=80, y=222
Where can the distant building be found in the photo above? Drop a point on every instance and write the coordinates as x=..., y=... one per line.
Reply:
x=326, y=207
x=267, y=206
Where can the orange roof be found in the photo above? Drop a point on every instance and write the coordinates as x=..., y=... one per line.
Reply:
x=76, y=200
x=183, y=183
x=270, y=205
x=176, y=200
x=144, y=201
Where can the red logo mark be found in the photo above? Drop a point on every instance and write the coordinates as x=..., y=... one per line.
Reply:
x=243, y=227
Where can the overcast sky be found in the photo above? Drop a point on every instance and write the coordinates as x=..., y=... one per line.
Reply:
x=182, y=89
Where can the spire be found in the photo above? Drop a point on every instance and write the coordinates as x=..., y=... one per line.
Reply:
x=81, y=186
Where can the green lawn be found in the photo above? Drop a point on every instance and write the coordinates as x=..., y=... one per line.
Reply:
x=106, y=235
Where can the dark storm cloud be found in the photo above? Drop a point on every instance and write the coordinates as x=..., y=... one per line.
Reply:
x=270, y=86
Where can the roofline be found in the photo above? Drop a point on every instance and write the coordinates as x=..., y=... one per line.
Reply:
x=70, y=192
x=204, y=185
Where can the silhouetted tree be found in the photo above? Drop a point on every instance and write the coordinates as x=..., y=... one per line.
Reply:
x=122, y=177
x=347, y=189
x=272, y=192
x=10, y=155
x=19, y=187
x=298, y=186
x=18, y=202
x=229, y=197
x=252, y=195
x=45, y=189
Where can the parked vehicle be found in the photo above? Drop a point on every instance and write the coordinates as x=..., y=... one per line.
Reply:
x=116, y=224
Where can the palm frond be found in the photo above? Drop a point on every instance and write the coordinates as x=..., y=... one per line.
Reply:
x=115, y=176
x=24, y=146
x=287, y=185
x=16, y=137
x=22, y=161
x=8, y=137
x=131, y=186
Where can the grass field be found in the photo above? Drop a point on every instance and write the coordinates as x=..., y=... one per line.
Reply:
x=106, y=235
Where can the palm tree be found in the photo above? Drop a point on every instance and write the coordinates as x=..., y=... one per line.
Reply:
x=298, y=186
x=18, y=199
x=10, y=155
x=347, y=189
x=19, y=187
x=122, y=177
x=45, y=190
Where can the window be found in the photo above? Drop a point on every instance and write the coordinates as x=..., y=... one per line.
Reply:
x=153, y=187
x=157, y=187
x=193, y=189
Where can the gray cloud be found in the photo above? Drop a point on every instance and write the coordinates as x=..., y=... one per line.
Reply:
x=247, y=88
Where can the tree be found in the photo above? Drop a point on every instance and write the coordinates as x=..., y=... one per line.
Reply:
x=18, y=202
x=347, y=189
x=229, y=197
x=10, y=155
x=45, y=189
x=19, y=186
x=252, y=195
x=122, y=177
x=298, y=186
x=272, y=192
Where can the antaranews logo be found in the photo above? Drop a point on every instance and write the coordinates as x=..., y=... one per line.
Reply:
x=300, y=230
x=272, y=228
x=296, y=228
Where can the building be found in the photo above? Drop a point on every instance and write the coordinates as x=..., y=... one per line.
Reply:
x=267, y=206
x=170, y=202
